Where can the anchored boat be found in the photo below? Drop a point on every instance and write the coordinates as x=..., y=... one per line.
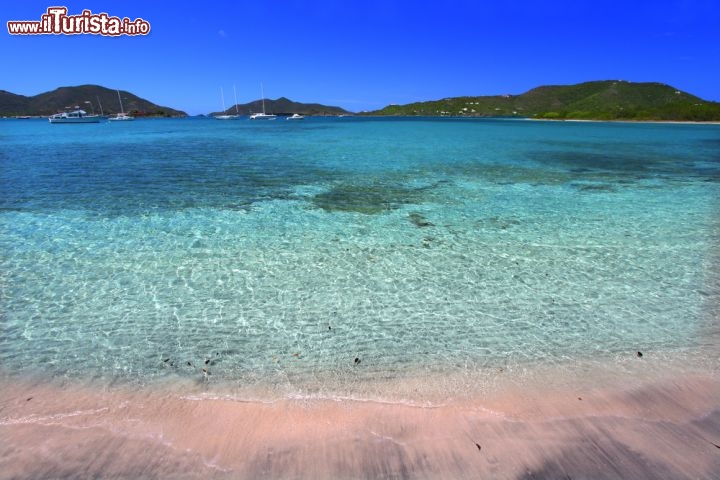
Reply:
x=122, y=116
x=74, y=116
x=263, y=115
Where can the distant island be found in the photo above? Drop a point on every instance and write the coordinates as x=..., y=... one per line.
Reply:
x=284, y=106
x=91, y=98
x=599, y=100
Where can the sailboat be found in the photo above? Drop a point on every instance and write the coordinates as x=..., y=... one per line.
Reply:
x=224, y=116
x=263, y=115
x=122, y=116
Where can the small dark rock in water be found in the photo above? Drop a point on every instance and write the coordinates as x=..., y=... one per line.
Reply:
x=329, y=327
x=166, y=360
x=189, y=364
x=207, y=360
x=478, y=446
x=419, y=220
x=357, y=361
x=639, y=354
x=28, y=399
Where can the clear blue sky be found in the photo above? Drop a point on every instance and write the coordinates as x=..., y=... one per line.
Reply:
x=366, y=54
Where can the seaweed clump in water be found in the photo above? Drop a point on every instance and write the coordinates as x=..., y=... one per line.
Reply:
x=368, y=199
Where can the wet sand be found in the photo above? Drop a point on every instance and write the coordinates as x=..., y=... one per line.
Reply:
x=663, y=428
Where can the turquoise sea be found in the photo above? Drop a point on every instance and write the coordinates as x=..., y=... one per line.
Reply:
x=317, y=258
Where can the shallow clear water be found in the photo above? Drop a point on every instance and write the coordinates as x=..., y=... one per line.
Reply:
x=276, y=254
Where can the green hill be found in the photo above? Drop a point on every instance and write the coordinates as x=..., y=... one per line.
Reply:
x=88, y=97
x=601, y=100
x=284, y=106
x=12, y=104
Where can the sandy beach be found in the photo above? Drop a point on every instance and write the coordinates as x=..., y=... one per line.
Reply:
x=664, y=427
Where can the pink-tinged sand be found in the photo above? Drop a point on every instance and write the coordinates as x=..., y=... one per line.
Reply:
x=663, y=428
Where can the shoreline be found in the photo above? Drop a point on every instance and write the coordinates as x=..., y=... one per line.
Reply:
x=661, y=122
x=662, y=425
x=560, y=120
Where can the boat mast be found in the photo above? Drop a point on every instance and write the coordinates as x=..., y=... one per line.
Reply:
x=222, y=98
x=121, y=107
x=235, y=95
x=101, y=110
x=262, y=94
